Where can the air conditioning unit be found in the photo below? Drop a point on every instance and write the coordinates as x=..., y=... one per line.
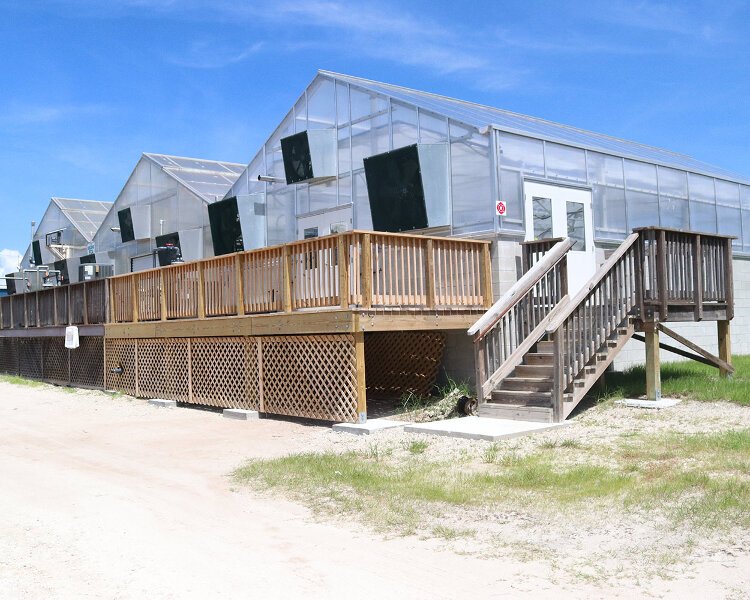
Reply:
x=408, y=188
x=309, y=156
x=89, y=271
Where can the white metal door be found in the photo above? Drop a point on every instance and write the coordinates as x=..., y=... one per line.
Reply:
x=554, y=211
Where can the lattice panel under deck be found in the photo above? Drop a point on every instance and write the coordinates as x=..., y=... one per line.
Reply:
x=87, y=363
x=225, y=372
x=310, y=376
x=163, y=369
x=56, y=360
x=401, y=362
x=121, y=353
x=30, y=357
x=9, y=356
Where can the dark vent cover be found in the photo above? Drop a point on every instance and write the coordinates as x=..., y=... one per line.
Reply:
x=226, y=231
x=37, y=253
x=297, y=159
x=127, y=234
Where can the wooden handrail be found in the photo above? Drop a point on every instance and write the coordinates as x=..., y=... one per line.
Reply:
x=518, y=289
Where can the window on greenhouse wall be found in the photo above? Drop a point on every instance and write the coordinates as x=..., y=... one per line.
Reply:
x=362, y=214
x=605, y=169
x=364, y=104
x=323, y=195
x=640, y=176
x=300, y=115
x=280, y=215
x=432, y=128
x=511, y=192
x=541, y=209
x=609, y=212
x=342, y=103
x=643, y=209
x=674, y=212
x=702, y=216
x=404, y=119
x=727, y=193
x=303, y=199
x=729, y=220
x=701, y=188
x=523, y=153
x=369, y=137
x=564, y=162
x=345, y=190
x=471, y=177
x=321, y=104
x=345, y=151
x=746, y=230
x=672, y=182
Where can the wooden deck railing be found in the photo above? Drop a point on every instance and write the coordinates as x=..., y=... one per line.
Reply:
x=517, y=320
x=82, y=303
x=533, y=251
x=354, y=269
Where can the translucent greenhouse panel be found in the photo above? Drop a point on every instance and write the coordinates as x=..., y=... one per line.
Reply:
x=746, y=230
x=701, y=188
x=605, y=169
x=643, y=209
x=522, y=153
x=745, y=197
x=672, y=182
x=727, y=193
x=300, y=115
x=280, y=216
x=433, y=129
x=729, y=221
x=640, y=176
x=609, y=212
x=364, y=104
x=674, y=212
x=511, y=192
x=323, y=195
x=404, y=119
x=342, y=103
x=345, y=151
x=471, y=178
x=362, y=214
x=369, y=137
x=321, y=104
x=303, y=199
x=702, y=215
x=564, y=162
x=345, y=189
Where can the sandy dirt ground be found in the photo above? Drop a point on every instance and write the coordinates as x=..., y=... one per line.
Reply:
x=109, y=497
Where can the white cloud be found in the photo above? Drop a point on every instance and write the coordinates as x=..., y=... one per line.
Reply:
x=209, y=55
x=9, y=260
x=18, y=114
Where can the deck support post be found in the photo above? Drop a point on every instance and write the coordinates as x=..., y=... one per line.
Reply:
x=653, y=365
x=725, y=345
x=359, y=349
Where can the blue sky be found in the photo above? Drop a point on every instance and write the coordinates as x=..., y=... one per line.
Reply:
x=87, y=86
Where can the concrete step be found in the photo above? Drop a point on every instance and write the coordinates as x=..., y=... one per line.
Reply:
x=528, y=384
x=516, y=412
x=533, y=371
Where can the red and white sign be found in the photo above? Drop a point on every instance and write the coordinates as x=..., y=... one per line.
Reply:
x=500, y=208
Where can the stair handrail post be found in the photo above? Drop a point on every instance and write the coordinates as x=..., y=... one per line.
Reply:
x=558, y=370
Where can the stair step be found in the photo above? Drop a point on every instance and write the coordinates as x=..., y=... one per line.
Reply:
x=622, y=331
x=529, y=384
x=601, y=356
x=536, y=358
x=515, y=412
x=545, y=347
x=521, y=397
x=612, y=343
x=579, y=383
x=589, y=370
x=533, y=371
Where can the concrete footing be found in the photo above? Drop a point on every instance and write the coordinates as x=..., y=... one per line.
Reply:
x=481, y=428
x=369, y=427
x=163, y=403
x=241, y=415
x=657, y=404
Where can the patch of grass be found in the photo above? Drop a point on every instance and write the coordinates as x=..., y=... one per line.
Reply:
x=418, y=446
x=700, y=479
x=690, y=380
x=569, y=443
x=442, y=406
x=452, y=533
x=15, y=380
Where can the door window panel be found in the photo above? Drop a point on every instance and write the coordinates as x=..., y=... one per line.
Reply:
x=576, y=225
x=542, y=208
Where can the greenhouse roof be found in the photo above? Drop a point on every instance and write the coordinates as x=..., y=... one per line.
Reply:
x=478, y=115
x=209, y=179
x=85, y=215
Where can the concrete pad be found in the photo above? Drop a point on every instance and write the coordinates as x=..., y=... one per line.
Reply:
x=163, y=403
x=241, y=415
x=369, y=427
x=657, y=404
x=481, y=428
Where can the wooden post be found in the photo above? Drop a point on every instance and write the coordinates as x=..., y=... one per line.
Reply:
x=25, y=311
x=134, y=291
x=10, y=304
x=653, y=365
x=729, y=279
x=111, y=296
x=240, y=289
x=479, y=368
x=342, y=249
x=137, y=372
x=697, y=278
x=661, y=250
x=557, y=377
x=190, y=369
x=487, y=279
x=366, y=271
x=430, y=273
x=38, y=316
x=564, y=277
x=85, y=304
x=162, y=296
x=286, y=279
x=359, y=346
x=201, y=293
x=261, y=397
x=1, y=315
x=725, y=345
